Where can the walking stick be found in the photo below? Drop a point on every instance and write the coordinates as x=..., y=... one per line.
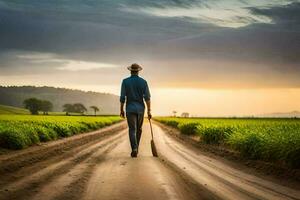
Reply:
x=153, y=147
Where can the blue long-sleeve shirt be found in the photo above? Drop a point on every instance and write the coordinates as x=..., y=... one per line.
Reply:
x=134, y=91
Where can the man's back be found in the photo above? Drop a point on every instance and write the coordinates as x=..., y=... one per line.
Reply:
x=134, y=90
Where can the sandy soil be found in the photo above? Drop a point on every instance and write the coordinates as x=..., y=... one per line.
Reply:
x=98, y=165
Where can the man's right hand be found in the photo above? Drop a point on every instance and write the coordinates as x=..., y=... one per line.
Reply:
x=149, y=115
x=122, y=114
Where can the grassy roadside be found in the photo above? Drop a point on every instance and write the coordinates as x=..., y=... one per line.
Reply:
x=272, y=140
x=21, y=131
x=10, y=110
x=6, y=110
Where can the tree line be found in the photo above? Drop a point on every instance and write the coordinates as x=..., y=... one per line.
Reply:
x=15, y=96
x=35, y=105
x=78, y=108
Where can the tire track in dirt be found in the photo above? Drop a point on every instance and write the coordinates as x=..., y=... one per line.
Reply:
x=30, y=184
x=144, y=177
x=256, y=186
x=72, y=183
x=15, y=161
x=29, y=170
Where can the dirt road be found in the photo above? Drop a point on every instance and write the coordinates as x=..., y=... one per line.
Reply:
x=97, y=166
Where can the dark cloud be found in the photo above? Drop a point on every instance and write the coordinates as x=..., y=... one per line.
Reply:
x=287, y=15
x=87, y=25
x=166, y=3
x=105, y=32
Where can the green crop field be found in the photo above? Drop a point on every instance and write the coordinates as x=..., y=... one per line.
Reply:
x=276, y=140
x=20, y=131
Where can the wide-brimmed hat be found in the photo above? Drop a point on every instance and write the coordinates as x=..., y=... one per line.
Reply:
x=134, y=67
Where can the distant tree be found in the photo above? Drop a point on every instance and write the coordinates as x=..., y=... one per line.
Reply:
x=45, y=106
x=185, y=115
x=174, y=113
x=33, y=105
x=75, y=108
x=95, y=108
x=68, y=108
x=79, y=108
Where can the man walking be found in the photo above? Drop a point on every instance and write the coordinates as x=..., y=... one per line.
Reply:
x=134, y=91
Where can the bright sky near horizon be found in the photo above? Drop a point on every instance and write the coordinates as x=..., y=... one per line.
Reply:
x=205, y=57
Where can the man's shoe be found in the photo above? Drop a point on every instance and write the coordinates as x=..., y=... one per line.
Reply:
x=134, y=153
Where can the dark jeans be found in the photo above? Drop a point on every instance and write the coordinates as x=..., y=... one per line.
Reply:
x=135, y=122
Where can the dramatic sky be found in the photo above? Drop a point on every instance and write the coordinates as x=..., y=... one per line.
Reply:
x=206, y=57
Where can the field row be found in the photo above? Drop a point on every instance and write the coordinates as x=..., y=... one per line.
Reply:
x=276, y=140
x=20, y=131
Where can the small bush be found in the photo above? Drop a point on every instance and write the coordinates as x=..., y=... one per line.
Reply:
x=43, y=133
x=214, y=134
x=50, y=128
x=88, y=126
x=30, y=132
x=188, y=128
x=62, y=130
x=249, y=144
x=101, y=124
x=14, y=139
